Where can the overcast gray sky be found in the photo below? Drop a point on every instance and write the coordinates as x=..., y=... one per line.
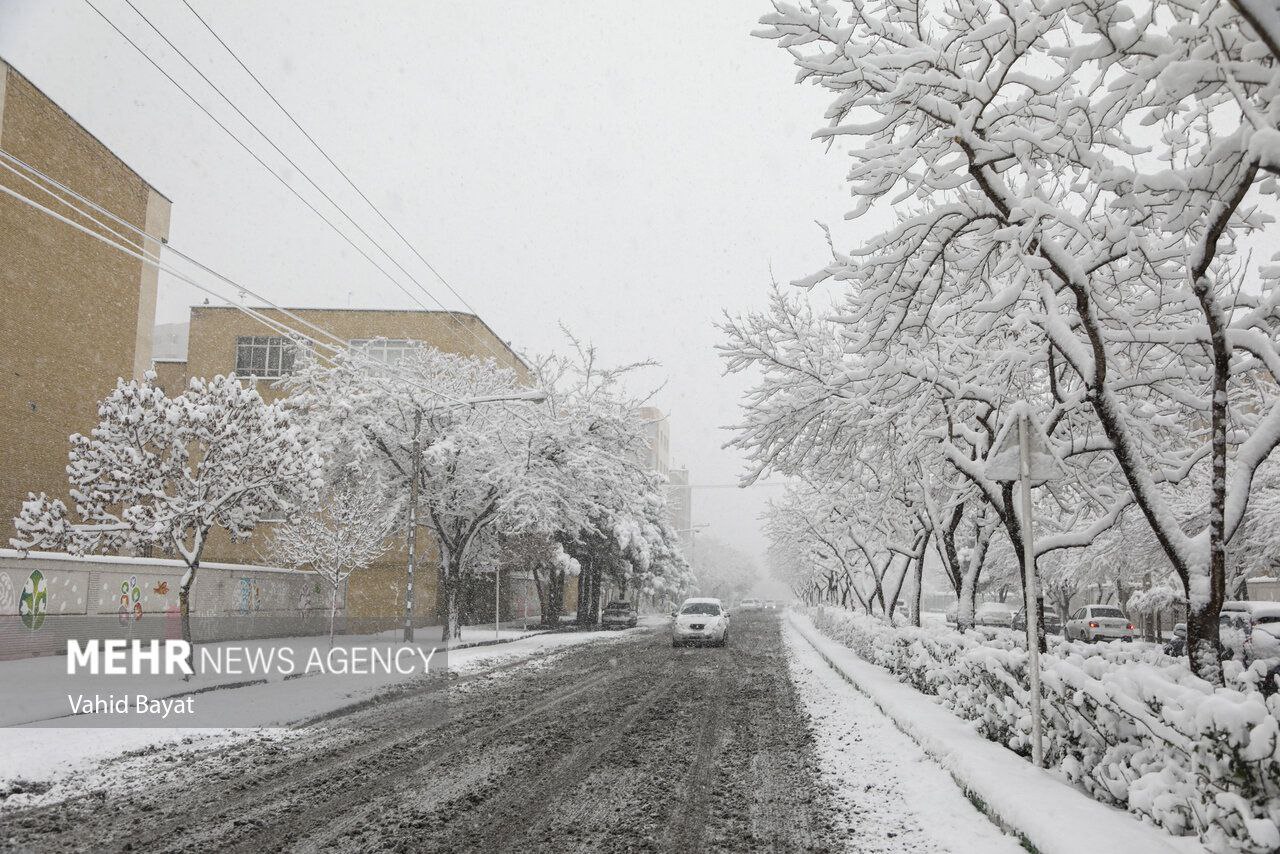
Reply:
x=628, y=169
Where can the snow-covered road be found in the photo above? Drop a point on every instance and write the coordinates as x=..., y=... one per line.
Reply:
x=891, y=797
x=618, y=745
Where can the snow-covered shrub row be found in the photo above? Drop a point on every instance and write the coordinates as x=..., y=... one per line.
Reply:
x=1129, y=725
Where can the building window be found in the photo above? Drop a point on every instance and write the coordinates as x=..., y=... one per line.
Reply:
x=388, y=351
x=265, y=356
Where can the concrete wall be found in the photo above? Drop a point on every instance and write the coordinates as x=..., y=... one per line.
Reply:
x=85, y=598
x=75, y=314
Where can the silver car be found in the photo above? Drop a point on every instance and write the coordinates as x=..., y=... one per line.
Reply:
x=993, y=614
x=700, y=621
x=1094, y=623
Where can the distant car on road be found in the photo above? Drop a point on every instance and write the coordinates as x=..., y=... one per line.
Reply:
x=700, y=621
x=1094, y=623
x=994, y=614
x=750, y=604
x=1052, y=622
x=619, y=614
x=770, y=605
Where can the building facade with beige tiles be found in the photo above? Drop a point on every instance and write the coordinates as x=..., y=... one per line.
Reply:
x=75, y=313
x=225, y=340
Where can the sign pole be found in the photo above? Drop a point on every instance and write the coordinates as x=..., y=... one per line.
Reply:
x=497, y=601
x=1032, y=593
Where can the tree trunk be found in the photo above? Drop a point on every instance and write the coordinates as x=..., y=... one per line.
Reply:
x=555, y=598
x=968, y=598
x=451, y=625
x=333, y=611
x=184, y=602
x=917, y=582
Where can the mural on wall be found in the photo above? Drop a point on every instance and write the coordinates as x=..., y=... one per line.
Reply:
x=35, y=601
x=248, y=595
x=130, y=610
x=161, y=589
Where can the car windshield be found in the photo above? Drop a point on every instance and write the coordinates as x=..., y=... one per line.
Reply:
x=710, y=608
x=1107, y=612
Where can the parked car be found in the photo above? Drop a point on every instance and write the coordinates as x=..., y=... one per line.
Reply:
x=1052, y=622
x=1248, y=630
x=700, y=621
x=993, y=614
x=1177, y=645
x=1251, y=629
x=1094, y=623
x=618, y=615
x=750, y=604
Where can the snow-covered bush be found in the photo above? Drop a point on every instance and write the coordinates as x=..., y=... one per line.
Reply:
x=1129, y=725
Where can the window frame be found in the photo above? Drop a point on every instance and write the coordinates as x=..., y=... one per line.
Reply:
x=269, y=357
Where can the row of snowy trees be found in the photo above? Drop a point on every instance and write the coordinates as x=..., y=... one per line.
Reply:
x=495, y=468
x=1072, y=187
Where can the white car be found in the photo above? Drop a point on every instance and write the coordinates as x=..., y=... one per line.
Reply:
x=1094, y=623
x=1253, y=627
x=700, y=621
x=993, y=614
x=751, y=604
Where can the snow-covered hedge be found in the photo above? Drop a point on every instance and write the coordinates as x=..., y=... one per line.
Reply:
x=1128, y=724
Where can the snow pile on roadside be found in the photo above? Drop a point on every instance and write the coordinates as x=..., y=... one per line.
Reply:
x=1130, y=726
x=891, y=797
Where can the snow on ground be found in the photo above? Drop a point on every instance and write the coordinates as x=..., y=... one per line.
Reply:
x=1054, y=816
x=892, y=797
x=45, y=751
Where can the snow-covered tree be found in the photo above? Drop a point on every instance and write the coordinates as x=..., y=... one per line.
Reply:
x=613, y=523
x=345, y=531
x=166, y=471
x=1013, y=148
x=458, y=438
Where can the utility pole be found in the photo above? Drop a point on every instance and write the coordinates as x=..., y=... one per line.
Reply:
x=1032, y=593
x=414, y=466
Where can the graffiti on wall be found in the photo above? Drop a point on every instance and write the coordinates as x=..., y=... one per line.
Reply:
x=249, y=594
x=130, y=610
x=34, y=603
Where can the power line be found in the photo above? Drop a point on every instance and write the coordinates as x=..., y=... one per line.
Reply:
x=140, y=245
x=264, y=164
x=150, y=258
x=326, y=156
x=303, y=172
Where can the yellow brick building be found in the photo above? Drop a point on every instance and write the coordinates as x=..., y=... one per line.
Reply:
x=75, y=313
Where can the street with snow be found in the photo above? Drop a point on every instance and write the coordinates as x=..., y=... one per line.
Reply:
x=617, y=743
x=798, y=425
